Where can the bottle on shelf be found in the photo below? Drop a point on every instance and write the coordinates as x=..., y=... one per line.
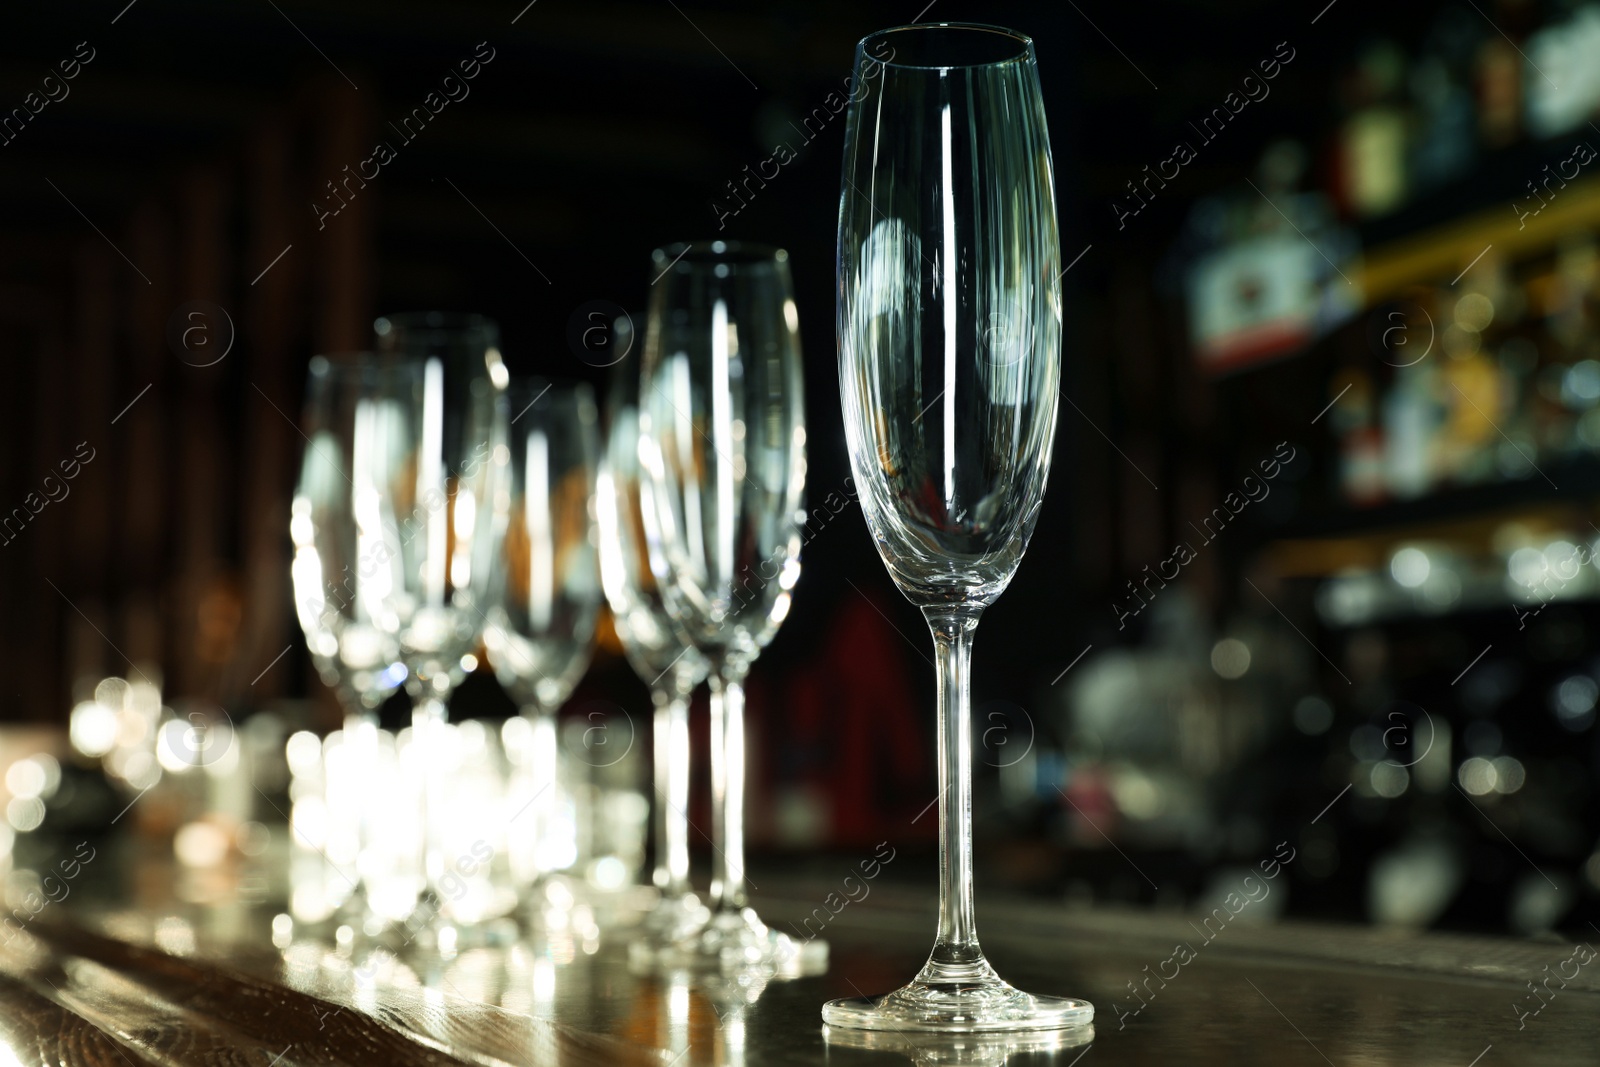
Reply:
x=1372, y=143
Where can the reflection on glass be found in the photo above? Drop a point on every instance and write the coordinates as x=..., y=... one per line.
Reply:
x=949, y=364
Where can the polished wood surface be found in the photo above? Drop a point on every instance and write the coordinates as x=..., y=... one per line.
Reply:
x=211, y=986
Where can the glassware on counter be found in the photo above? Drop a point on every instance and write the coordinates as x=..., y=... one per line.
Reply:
x=537, y=548
x=430, y=449
x=341, y=601
x=722, y=443
x=949, y=370
x=655, y=648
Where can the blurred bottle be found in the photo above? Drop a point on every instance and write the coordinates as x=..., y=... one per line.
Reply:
x=1499, y=77
x=1372, y=142
x=1361, y=448
x=1474, y=389
x=1412, y=417
x=1446, y=127
x=1561, y=84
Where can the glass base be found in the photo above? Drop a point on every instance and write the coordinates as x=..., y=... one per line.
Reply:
x=553, y=891
x=964, y=999
x=484, y=903
x=445, y=926
x=447, y=937
x=737, y=940
x=963, y=1050
x=675, y=920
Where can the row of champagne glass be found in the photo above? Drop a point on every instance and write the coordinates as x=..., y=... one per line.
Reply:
x=347, y=849
x=443, y=501
x=949, y=332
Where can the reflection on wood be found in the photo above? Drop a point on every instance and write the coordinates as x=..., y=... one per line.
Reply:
x=69, y=996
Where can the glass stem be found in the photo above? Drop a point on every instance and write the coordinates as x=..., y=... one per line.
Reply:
x=727, y=786
x=661, y=697
x=671, y=874
x=677, y=794
x=545, y=766
x=956, y=955
x=355, y=817
x=427, y=716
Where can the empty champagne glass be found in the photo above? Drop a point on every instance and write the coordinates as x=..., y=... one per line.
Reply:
x=949, y=363
x=543, y=599
x=655, y=647
x=722, y=443
x=439, y=433
x=341, y=610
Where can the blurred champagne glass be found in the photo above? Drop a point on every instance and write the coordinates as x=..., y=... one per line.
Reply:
x=439, y=436
x=542, y=602
x=654, y=645
x=340, y=603
x=722, y=443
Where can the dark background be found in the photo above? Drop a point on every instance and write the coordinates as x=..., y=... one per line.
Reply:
x=189, y=154
x=199, y=137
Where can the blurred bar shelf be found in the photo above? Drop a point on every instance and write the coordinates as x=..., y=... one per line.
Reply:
x=1577, y=490
x=1441, y=234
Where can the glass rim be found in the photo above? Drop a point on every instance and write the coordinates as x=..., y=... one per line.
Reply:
x=1022, y=40
x=346, y=362
x=346, y=358
x=740, y=255
x=437, y=322
x=520, y=385
x=363, y=363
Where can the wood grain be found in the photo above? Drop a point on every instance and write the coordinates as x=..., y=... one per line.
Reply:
x=72, y=994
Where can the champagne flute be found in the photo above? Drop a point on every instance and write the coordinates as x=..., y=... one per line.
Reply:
x=443, y=405
x=722, y=443
x=949, y=363
x=544, y=594
x=654, y=646
x=343, y=620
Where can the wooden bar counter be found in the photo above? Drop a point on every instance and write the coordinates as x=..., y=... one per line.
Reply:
x=228, y=985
